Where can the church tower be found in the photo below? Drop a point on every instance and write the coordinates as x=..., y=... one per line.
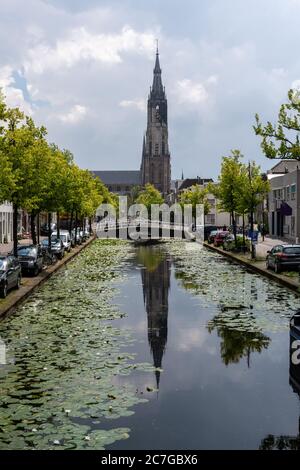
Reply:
x=156, y=166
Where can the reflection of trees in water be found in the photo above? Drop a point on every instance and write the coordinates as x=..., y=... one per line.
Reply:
x=272, y=442
x=238, y=330
x=150, y=257
x=217, y=281
x=238, y=342
x=156, y=285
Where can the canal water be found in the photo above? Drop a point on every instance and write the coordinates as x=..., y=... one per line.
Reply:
x=159, y=347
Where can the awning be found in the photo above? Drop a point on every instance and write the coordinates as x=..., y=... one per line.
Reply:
x=285, y=209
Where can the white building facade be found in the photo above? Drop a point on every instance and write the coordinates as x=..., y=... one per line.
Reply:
x=6, y=223
x=284, y=201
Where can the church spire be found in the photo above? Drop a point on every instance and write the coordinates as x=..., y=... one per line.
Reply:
x=157, y=68
x=157, y=88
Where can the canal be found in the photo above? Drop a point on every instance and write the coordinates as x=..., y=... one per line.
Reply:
x=162, y=347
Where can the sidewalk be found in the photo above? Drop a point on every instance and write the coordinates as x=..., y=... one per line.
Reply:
x=8, y=247
x=263, y=246
x=258, y=266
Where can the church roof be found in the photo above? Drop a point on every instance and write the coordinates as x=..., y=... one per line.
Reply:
x=187, y=183
x=129, y=177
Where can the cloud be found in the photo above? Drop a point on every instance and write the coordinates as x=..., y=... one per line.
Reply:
x=82, y=45
x=14, y=97
x=139, y=104
x=190, y=92
x=100, y=55
x=296, y=84
x=76, y=114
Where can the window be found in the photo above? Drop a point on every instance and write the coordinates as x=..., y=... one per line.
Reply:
x=288, y=191
x=156, y=149
x=293, y=192
x=292, y=250
x=210, y=219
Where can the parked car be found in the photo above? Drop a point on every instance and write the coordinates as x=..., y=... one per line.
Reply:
x=208, y=229
x=57, y=247
x=85, y=234
x=44, y=229
x=283, y=257
x=220, y=237
x=64, y=235
x=78, y=236
x=211, y=236
x=10, y=274
x=30, y=258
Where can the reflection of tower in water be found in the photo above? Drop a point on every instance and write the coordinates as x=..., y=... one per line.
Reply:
x=156, y=285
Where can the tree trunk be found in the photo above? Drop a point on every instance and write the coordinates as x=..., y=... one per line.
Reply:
x=76, y=223
x=244, y=242
x=49, y=231
x=32, y=227
x=90, y=225
x=252, y=230
x=38, y=227
x=71, y=223
x=15, y=229
x=234, y=227
x=58, y=224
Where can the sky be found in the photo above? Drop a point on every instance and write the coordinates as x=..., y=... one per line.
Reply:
x=83, y=69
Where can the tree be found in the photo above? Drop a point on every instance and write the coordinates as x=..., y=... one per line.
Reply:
x=281, y=140
x=228, y=189
x=195, y=195
x=18, y=141
x=148, y=196
x=253, y=189
x=7, y=180
x=37, y=176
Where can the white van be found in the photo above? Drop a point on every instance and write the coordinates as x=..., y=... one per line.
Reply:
x=64, y=235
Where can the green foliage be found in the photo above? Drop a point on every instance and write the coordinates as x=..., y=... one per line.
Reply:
x=61, y=390
x=148, y=196
x=253, y=188
x=229, y=185
x=195, y=195
x=38, y=176
x=281, y=140
x=239, y=245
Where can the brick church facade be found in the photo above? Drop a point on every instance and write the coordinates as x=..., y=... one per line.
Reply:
x=156, y=164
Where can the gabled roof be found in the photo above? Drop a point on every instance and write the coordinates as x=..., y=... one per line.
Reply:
x=285, y=166
x=119, y=177
x=187, y=183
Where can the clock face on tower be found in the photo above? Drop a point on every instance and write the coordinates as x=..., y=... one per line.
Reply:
x=157, y=114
